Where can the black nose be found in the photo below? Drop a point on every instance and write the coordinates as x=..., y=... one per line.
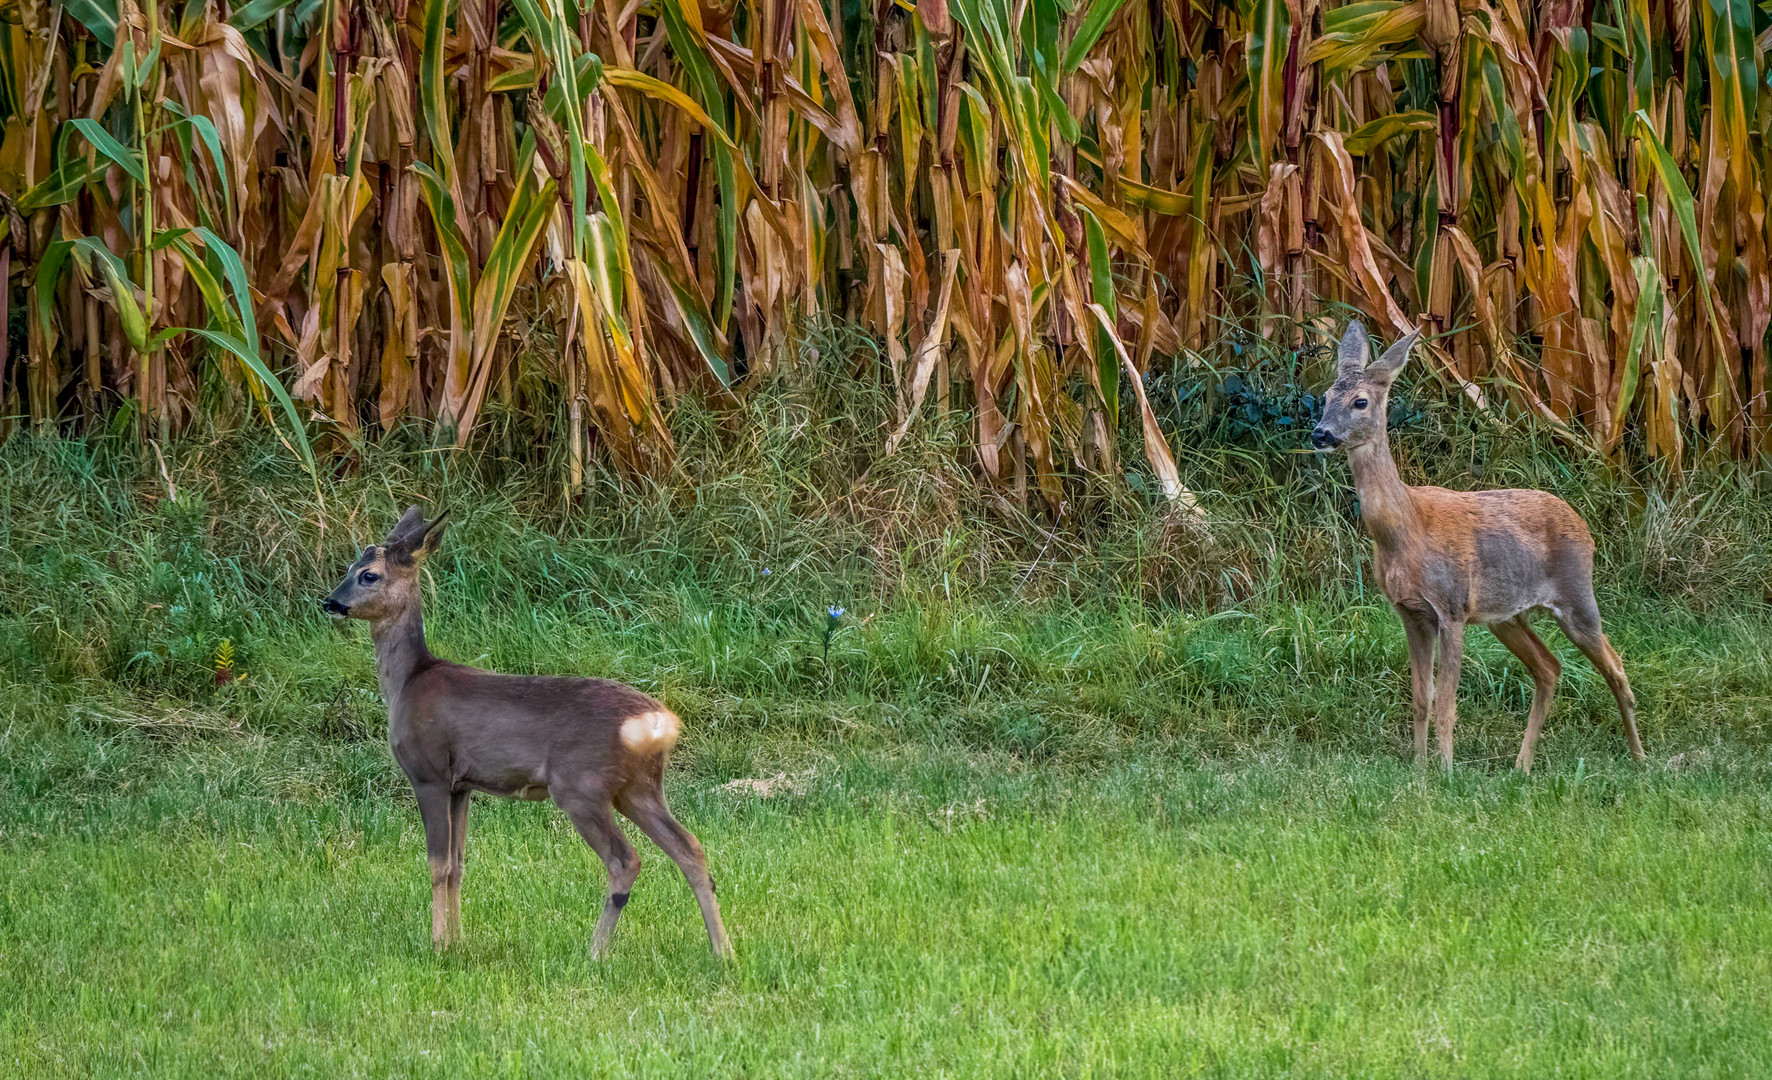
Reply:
x=333, y=607
x=1322, y=440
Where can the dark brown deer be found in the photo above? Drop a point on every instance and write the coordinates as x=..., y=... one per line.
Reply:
x=1447, y=558
x=591, y=745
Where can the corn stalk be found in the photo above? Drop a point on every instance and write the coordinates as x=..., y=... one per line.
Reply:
x=1032, y=204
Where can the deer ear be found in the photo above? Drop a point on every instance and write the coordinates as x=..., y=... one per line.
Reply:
x=1351, y=355
x=412, y=539
x=410, y=526
x=1385, y=368
x=433, y=536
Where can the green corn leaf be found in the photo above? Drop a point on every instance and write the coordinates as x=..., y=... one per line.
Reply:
x=129, y=313
x=98, y=16
x=207, y=284
x=1512, y=141
x=707, y=86
x=49, y=272
x=145, y=70
x=1039, y=32
x=256, y=13
x=1649, y=311
x=1685, y=209
x=61, y=186
x=538, y=27
x=205, y=130
x=1613, y=38
x=1429, y=231
x=977, y=139
x=165, y=238
x=604, y=180
x=234, y=270
x=726, y=232
x=1642, y=55
x=102, y=142
x=1729, y=35
x=250, y=359
x=701, y=331
x=1357, y=18
x=1270, y=34
x=1055, y=108
x=605, y=267
x=457, y=269
x=1368, y=137
x=434, y=90
x=589, y=72
x=442, y=207
x=512, y=81
x=910, y=117
x=1101, y=285
x=1101, y=12
x=511, y=248
x=689, y=52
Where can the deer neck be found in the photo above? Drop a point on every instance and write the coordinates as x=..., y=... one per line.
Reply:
x=400, y=652
x=1385, y=507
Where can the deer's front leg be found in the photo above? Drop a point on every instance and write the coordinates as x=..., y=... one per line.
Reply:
x=1451, y=659
x=433, y=810
x=1421, y=632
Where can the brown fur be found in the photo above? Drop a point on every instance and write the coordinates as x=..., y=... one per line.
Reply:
x=591, y=745
x=1449, y=558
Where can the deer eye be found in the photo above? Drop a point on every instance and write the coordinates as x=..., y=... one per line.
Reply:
x=368, y=577
x=1360, y=403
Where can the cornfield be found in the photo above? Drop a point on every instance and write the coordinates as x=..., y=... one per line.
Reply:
x=324, y=213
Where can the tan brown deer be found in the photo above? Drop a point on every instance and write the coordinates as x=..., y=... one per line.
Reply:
x=1447, y=558
x=591, y=745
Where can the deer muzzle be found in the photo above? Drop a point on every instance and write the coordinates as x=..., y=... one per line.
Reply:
x=1323, y=440
x=333, y=607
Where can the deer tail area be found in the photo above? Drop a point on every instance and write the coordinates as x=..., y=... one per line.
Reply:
x=650, y=732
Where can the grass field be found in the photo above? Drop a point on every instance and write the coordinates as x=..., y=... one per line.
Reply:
x=1124, y=798
x=255, y=910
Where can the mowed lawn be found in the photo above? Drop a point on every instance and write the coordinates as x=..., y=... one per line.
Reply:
x=925, y=913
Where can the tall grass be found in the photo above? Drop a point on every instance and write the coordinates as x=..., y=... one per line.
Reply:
x=122, y=571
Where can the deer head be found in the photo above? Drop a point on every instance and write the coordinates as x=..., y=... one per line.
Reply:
x=384, y=579
x=1354, y=407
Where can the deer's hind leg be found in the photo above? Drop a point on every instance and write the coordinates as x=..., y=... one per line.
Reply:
x=1517, y=635
x=643, y=803
x=1582, y=625
x=592, y=815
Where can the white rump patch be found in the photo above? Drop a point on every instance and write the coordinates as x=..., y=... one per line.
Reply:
x=650, y=731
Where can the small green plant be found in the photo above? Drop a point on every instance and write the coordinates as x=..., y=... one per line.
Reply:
x=833, y=616
x=224, y=662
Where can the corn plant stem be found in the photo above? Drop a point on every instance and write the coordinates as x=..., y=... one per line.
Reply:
x=150, y=141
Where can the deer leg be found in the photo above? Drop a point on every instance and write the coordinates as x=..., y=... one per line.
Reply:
x=592, y=816
x=458, y=845
x=1451, y=659
x=433, y=810
x=1421, y=634
x=1523, y=643
x=1583, y=628
x=646, y=808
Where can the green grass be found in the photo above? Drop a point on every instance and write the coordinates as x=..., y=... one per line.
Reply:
x=1122, y=797
x=913, y=914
